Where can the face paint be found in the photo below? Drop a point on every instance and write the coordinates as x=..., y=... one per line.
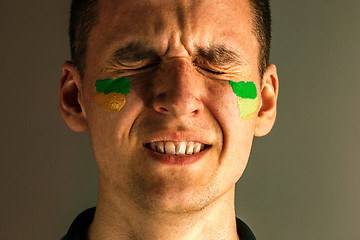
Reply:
x=247, y=98
x=111, y=93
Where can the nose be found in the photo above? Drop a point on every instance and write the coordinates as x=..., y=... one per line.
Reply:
x=177, y=89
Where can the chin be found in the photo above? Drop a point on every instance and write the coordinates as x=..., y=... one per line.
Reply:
x=180, y=203
x=174, y=196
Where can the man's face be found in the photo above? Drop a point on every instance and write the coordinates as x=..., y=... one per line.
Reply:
x=180, y=56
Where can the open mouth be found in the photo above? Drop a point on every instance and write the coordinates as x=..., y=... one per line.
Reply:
x=176, y=148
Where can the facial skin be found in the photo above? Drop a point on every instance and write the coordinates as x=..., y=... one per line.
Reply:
x=111, y=93
x=173, y=45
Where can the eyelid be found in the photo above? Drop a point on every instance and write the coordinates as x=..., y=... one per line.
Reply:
x=203, y=66
x=142, y=67
x=212, y=71
x=128, y=67
x=216, y=68
x=217, y=75
x=134, y=63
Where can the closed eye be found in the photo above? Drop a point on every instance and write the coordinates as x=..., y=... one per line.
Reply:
x=143, y=68
x=212, y=71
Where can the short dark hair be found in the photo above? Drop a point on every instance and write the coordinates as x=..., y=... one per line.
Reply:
x=84, y=16
x=262, y=30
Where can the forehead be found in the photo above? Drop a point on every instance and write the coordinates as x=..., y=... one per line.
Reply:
x=193, y=23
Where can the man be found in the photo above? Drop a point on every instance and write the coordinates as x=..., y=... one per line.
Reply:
x=172, y=93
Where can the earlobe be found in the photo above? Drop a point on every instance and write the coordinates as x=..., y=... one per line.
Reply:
x=268, y=106
x=71, y=104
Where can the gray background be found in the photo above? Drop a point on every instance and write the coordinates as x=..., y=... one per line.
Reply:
x=302, y=181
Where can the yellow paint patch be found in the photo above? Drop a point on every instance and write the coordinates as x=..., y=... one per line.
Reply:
x=113, y=102
x=247, y=107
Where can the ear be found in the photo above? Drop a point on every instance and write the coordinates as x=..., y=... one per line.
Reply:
x=269, y=94
x=71, y=101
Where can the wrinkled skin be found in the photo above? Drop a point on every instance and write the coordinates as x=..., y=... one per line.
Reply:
x=140, y=198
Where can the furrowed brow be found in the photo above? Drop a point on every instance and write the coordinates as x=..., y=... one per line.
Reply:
x=221, y=55
x=133, y=52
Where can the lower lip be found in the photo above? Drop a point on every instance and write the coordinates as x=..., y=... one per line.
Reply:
x=177, y=159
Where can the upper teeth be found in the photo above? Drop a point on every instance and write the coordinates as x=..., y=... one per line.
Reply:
x=177, y=148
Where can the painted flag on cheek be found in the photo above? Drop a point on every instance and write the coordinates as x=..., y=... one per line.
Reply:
x=247, y=99
x=111, y=93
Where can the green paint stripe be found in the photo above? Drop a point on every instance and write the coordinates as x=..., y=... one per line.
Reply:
x=245, y=90
x=119, y=85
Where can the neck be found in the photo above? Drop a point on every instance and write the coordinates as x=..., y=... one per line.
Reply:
x=125, y=221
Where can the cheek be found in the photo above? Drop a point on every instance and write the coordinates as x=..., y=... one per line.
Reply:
x=247, y=99
x=111, y=94
x=112, y=102
x=237, y=133
x=222, y=102
x=247, y=107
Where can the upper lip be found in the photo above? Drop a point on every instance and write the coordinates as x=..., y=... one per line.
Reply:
x=176, y=136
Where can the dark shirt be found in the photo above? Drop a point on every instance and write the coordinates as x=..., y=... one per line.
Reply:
x=79, y=227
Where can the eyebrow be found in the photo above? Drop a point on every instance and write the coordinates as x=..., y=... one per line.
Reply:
x=221, y=55
x=134, y=52
x=216, y=54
